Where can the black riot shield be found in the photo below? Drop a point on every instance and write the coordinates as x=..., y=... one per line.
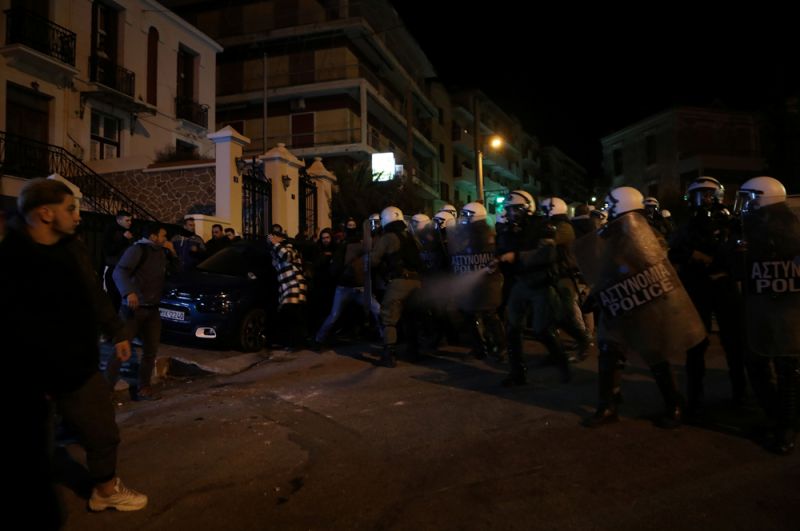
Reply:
x=772, y=281
x=644, y=305
x=367, y=242
x=476, y=286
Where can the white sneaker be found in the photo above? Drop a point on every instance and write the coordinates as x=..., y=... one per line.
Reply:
x=123, y=499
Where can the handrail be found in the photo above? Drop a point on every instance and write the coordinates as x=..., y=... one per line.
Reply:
x=28, y=158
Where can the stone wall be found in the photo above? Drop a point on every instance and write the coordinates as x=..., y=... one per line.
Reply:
x=169, y=193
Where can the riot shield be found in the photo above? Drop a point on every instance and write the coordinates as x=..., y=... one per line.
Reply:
x=476, y=286
x=367, y=243
x=772, y=281
x=644, y=305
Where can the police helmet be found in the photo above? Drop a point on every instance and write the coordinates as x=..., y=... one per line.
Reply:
x=553, y=206
x=704, y=191
x=472, y=212
x=443, y=220
x=391, y=214
x=622, y=200
x=759, y=192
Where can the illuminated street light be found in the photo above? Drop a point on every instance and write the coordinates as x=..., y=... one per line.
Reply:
x=495, y=142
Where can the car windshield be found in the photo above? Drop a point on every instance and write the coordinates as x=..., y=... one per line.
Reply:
x=238, y=260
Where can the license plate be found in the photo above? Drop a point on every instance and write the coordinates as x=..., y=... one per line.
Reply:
x=172, y=315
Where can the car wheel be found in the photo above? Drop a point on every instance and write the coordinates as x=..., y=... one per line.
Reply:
x=252, y=330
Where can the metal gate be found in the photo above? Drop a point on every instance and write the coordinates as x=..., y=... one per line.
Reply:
x=308, y=206
x=256, y=203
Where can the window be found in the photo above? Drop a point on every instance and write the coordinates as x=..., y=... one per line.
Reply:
x=152, y=66
x=444, y=191
x=650, y=141
x=440, y=111
x=441, y=153
x=104, y=32
x=617, y=162
x=105, y=137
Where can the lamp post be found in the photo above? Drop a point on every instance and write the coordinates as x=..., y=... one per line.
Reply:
x=495, y=142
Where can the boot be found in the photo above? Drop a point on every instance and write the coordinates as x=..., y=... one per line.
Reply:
x=608, y=382
x=557, y=354
x=695, y=374
x=518, y=374
x=673, y=401
x=787, y=371
x=480, y=346
x=388, y=357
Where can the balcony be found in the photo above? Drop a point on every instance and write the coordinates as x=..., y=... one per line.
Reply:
x=115, y=86
x=111, y=75
x=191, y=111
x=40, y=45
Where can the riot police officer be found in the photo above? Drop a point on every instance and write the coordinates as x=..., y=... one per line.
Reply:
x=471, y=248
x=772, y=297
x=529, y=248
x=570, y=317
x=701, y=250
x=396, y=253
x=653, y=212
x=643, y=306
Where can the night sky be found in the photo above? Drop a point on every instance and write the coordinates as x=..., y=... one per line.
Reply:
x=572, y=76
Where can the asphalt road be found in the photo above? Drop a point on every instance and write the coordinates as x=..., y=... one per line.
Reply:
x=332, y=441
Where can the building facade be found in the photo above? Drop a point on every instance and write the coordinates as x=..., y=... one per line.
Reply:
x=662, y=154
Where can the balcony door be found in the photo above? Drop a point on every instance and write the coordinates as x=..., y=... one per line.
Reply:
x=27, y=118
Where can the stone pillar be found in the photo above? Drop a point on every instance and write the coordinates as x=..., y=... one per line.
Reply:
x=283, y=169
x=325, y=181
x=228, y=147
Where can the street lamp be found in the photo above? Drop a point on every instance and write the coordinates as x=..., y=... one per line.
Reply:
x=495, y=142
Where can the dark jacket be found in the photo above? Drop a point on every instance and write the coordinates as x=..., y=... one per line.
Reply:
x=52, y=311
x=115, y=243
x=142, y=270
x=533, y=244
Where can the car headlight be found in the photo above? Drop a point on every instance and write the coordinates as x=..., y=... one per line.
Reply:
x=217, y=303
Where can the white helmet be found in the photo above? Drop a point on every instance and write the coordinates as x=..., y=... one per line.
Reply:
x=759, y=192
x=522, y=200
x=666, y=214
x=443, y=220
x=553, y=206
x=449, y=208
x=391, y=214
x=472, y=212
x=704, y=191
x=419, y=222
x=623, y=199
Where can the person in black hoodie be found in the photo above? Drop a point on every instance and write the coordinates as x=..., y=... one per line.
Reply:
x=347, y=267
x=116, y=239
x=58, y=306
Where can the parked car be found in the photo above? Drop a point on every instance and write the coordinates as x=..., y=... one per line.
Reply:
x=230, y=299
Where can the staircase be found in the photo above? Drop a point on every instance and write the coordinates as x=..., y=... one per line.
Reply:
x=26, y=158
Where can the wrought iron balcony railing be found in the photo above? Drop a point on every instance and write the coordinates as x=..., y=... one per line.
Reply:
x=110, y=74
x=186, y=109
x=27, y=28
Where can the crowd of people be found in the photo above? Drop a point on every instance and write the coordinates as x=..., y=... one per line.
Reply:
x=622, y=277
x=651, y=287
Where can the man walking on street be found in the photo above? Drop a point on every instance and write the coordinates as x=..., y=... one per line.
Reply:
x=140, y=276
x=58, y=307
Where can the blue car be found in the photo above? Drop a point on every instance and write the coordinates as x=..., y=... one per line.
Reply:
x=230, y=299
